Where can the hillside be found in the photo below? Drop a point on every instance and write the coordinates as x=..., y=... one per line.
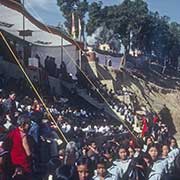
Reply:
x=157, y=93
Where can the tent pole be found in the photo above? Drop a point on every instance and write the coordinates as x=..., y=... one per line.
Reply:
x=24, y=49
x=61, y=49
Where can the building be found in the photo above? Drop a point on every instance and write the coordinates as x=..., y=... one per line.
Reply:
x=104, y=47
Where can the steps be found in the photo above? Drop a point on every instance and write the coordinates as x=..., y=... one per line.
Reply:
x=109, y=84
x=83, y=93
x=106, y=108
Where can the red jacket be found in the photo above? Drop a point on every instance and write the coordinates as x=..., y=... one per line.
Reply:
x=17, y=152
x=144, y=127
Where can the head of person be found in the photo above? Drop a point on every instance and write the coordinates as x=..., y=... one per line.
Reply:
x=148, y=140
x=93, y=145
x=12, y=95
x=65, y=172
x=164, y=150
x=147, y=159
x=153, y=151
x=123, y=152
x=24, y=122
x=61, y=154
x=101, y=168
x=138, y=147
x=83, y=169
x=71, y=153
x=108, y=155
x=35, y=102
x=173, y=143
x=131, y=151
x=3, y=153
x=131, y=143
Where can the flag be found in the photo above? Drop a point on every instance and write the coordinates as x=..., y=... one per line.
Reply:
x=144, y=126
x=80, y=28
x=83, y=35
x=73, y=30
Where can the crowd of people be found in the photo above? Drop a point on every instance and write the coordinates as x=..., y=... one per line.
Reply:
x=99, y=147
x=99, y=90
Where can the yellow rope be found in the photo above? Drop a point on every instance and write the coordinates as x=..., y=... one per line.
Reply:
x=33, y=87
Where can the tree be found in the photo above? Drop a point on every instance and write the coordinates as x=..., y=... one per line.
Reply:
x=107, y=36
x=78, y=7
x=135, y=27
x=174, y=52
x=124, y=20
x=95, y=18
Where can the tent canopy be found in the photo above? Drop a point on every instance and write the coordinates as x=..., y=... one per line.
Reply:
x=11, y=21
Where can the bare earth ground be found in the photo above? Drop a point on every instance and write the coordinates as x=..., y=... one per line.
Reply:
x=160, y=94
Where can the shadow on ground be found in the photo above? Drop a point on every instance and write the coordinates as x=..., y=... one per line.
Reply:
x=166, y=117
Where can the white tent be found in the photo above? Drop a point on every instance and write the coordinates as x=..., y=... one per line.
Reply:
x=44, y=41
x=11, y=21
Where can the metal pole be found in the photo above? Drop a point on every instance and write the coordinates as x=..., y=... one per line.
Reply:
x=24, y=33
x=61, y=49
x=23, y=22
x=80, y=59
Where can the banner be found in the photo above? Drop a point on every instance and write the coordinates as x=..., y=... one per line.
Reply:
x=70, y=54
x=33, y=62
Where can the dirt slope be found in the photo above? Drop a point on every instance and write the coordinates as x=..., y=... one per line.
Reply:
x=159, y=93
x=159, y=98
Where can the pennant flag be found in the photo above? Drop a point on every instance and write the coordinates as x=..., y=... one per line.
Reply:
x=144, y=126
x=80, y=29
x=73, y=30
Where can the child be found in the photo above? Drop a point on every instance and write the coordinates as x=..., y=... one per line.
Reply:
x=83, y=169
x=159, y=168
x=101, y=171
x=121, y=165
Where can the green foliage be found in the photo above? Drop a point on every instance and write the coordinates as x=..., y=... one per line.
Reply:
x=95, y=17
x=124, y=19
x=135, y=27
x=130, y=24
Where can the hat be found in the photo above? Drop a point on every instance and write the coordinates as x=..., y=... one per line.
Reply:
x=2, y=152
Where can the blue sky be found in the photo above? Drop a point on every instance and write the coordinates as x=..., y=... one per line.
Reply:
x=48, y=12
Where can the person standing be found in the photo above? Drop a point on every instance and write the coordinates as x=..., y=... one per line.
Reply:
x=20, y=150
x=9, y=104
